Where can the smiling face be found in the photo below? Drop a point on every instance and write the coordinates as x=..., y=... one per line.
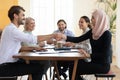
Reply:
x=29, y=24
x=83, y=24
x=61, y=26
x=21, y=18
x=16, y=15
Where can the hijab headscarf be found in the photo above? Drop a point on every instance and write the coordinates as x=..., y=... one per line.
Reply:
x=101, y=23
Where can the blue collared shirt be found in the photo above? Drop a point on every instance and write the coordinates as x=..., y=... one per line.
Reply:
x=66, y=32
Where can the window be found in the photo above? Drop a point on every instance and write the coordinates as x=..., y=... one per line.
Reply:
x=47, y=12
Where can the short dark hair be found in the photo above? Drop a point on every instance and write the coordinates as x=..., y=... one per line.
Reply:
x=0, y=33
x=14, y=10
x=61, y=20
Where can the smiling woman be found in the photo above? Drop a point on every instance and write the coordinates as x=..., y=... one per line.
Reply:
x=47, y=12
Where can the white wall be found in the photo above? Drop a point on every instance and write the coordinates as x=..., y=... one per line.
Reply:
x=82, y=8
x=26, y=5
x=118, y=36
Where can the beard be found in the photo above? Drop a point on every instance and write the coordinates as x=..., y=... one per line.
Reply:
x=21, y=22
x=61, y=29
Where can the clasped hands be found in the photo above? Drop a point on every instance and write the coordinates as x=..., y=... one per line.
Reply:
x=59, y=36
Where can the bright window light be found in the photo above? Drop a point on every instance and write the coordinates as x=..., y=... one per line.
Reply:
x=47, y=12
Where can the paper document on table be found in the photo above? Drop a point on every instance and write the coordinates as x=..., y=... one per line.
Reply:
x=49, y=51
x=49, y=46
x=67, y=51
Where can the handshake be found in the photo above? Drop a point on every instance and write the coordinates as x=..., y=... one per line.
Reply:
x=59, y=36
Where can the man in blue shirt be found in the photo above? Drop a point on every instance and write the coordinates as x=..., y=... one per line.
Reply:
x=62, y=28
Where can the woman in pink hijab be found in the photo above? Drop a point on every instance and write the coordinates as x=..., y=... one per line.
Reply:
x=100, y=40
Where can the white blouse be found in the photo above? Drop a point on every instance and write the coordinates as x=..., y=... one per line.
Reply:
x=85, y=44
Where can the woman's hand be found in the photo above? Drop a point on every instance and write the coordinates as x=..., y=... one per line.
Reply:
x=69, y=44
x=60, y=36
x=83, y=52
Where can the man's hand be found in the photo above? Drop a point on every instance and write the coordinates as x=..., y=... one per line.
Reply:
x=60, y=36
x=41, y=44
x=40, y=49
